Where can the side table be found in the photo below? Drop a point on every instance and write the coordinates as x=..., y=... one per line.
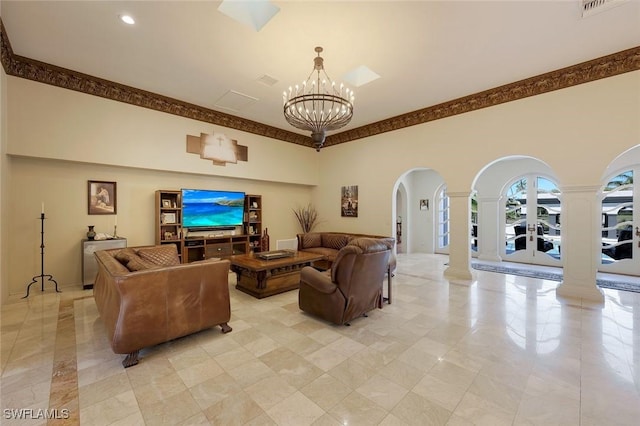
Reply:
x=89, y=264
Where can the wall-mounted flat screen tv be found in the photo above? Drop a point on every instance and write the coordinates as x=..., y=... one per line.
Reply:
x=203, y=208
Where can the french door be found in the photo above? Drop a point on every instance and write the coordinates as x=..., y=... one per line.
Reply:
x=532, y=221
x=620, y=231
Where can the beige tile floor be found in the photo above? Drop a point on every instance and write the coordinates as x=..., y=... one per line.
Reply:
x=499, y=350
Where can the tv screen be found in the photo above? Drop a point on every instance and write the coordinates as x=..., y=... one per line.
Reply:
x=202, y=208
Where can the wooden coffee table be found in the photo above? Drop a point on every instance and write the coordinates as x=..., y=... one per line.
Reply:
x=262, y=278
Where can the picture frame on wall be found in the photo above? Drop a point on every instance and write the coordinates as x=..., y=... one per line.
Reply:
x=102, y=197
x=349, y=201
x=424, y=204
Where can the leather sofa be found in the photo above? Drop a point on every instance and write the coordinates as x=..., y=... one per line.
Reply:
x=145, y=296
x=329, y=244
x=352, y=287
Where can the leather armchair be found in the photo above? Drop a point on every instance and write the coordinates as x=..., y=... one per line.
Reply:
x=353, y=285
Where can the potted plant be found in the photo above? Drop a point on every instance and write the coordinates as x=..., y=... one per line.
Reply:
x=307, y=217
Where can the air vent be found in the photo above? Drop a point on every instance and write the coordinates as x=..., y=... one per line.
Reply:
x=235, y=101
x=267, y=80
x=591, y=7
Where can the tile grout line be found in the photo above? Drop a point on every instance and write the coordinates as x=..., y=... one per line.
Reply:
x=64, y=404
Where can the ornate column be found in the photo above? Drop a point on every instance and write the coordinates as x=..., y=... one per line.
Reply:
x=580, y=243
x=490, y=219
x=459, y=236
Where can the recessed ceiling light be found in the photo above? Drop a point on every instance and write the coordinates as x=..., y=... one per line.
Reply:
x=127, y=19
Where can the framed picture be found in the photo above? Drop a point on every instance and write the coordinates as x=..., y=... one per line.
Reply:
x=424, y=204
x=349, y=201
x=166, y=203
x=102, y=197
x=168, y=218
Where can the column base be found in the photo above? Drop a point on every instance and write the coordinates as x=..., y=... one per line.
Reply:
x=490, y=257
x=592, y=293
x=458, y=273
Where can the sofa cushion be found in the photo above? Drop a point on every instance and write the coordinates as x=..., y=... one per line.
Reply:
x=328, y=253
x=311, y=239
x=129, y=259
x=139, y=264
x=166, y=255
x=124, y=255
x=335, y=241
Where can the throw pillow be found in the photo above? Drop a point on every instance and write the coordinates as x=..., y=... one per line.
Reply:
x=334, y=241
x=139, y=264
x=165, y=255
x=124, y=255
x=311, y=239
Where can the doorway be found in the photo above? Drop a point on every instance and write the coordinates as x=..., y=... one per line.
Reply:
x=620, y=233
x=532, y=206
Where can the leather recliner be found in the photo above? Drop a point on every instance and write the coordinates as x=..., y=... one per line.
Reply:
x=353, y=285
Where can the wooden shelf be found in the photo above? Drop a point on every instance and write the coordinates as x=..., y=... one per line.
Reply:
x=198, y=248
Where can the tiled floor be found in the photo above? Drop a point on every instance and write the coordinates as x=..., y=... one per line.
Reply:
x=499, y=350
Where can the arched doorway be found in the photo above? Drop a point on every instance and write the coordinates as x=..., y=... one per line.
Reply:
x=620, y=219
x=516, y=216
x=620, y=233
x=532, y=220
x=415, y=210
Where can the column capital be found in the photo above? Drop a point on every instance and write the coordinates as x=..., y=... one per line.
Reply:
x=458, y=194
x=575, y=189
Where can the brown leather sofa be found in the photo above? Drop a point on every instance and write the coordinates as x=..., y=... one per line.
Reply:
x=329, y=244
x=352, y=287
x=145, y=296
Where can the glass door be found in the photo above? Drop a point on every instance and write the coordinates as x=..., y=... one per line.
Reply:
x=620, y=233
x=532, y=221
x=442, y=221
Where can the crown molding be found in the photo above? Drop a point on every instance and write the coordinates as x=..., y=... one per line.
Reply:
x=42, y=72
x=585, y=72
x=606, y=66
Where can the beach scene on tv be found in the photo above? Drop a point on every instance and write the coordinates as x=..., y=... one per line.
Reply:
x=208, y=209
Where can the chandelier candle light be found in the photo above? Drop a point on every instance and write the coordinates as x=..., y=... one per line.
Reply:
x=318, y=105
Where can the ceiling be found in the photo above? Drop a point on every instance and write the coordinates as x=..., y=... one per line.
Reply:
x=426, y=52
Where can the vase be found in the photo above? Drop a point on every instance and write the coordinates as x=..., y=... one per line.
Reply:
x=264, y=241
x=91, y=234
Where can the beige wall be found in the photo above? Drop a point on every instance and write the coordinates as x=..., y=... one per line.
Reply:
x=50, y=122
x=58, y=139
x=576, y=131
x=4, y=191
x=62, y=186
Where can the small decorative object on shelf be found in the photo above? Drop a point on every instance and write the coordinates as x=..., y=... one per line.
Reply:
x=264, y=241
x=91, y=234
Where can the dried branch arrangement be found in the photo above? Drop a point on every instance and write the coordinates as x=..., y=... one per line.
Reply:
x=307, y=217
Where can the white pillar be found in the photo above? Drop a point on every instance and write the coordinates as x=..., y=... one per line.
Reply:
x=490, y=219
x=580, y=243
x=459, y=236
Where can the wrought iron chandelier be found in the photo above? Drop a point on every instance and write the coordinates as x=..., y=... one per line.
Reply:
x=318, y=105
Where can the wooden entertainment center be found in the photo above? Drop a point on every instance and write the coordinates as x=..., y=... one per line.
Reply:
x=222, y=244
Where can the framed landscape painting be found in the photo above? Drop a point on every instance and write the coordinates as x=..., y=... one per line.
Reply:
x=102, y=197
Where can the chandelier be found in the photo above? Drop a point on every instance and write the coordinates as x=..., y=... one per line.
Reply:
x=318, y=105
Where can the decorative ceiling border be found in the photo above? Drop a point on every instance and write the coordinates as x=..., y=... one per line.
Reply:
x=30, y=69
x=606, y=66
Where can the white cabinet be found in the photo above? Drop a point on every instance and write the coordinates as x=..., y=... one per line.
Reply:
x=89, y=264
